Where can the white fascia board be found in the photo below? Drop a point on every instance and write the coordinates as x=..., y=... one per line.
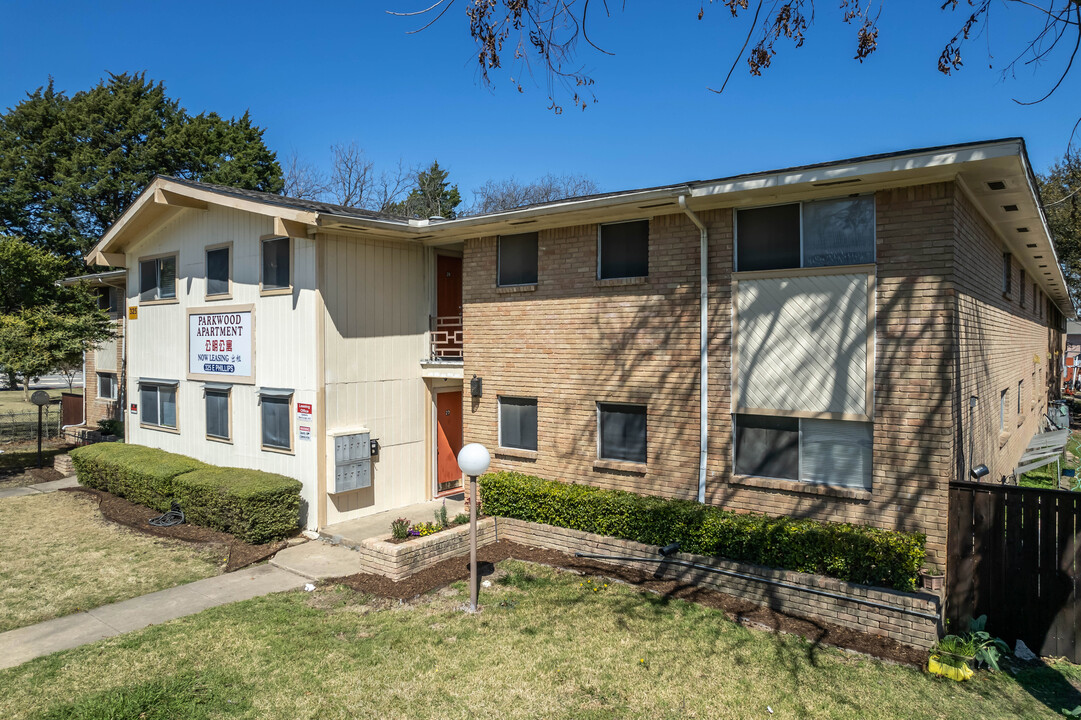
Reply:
x=146, y=197
x=878, y=166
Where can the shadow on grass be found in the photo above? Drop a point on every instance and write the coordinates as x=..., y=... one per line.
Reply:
x=1049, y=685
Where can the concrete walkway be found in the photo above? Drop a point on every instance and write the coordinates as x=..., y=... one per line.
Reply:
x=39, y=488
x=23, y=644
x=378, y=525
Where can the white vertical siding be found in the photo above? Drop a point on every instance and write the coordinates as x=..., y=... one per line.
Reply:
x=284, y=342
x=375, y=334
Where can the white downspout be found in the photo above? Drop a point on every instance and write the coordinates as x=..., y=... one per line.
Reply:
x=703, y=345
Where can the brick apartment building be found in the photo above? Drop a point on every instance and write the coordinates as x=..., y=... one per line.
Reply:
x=873, y=329
x=835, y=341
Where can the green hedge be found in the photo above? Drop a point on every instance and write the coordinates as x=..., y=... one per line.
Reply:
x=141, y=474
x=252, y=505
x=855, y=553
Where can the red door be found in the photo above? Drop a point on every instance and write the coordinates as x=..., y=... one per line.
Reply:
x=449, y=409
x=448, y=304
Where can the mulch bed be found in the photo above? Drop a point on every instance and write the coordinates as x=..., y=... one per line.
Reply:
x=123, y=512
x=736, y=609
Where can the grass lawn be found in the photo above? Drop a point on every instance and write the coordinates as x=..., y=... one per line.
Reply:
x=59, y=556
x=547, y=645
x=18, y=456
x=1044, y=477
x=12, y=400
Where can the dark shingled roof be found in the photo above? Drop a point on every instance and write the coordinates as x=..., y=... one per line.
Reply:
x=283, y=201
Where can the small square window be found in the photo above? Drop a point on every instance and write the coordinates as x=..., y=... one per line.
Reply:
x=157, y=278
x=622, y=432
x=517, y=259
x=624, y=250
x=107, y=386
x=768, y=238
x=518, y=423
x=108, y=299
x=276, y=264
x=217, y=414
x=217, y=271
x=276, y=421
x=158, y=405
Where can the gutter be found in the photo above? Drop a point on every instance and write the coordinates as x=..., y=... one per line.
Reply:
x=703, y=346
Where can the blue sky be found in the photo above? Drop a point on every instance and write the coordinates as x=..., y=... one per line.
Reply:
x=317, y=73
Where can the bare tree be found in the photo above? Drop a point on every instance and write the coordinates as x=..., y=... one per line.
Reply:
x=392, y=186
x=351, y=175
x=496, y=195
x=547, y=33
x=302, y=179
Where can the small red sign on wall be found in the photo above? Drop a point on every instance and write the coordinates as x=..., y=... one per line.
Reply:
x=134, y=408
x=304, y=408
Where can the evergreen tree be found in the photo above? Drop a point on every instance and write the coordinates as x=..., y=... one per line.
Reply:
x=1060, y=190
x=431, y=196
x=70, y=165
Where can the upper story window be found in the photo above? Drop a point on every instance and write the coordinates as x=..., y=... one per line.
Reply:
x=218, y=267
x=276, y=270
x=107, y=386
x=517, y=259
x=108, y=299
x=1021, y=288
x=623, y=250
x=157, y=278
x=1007, y=273
x=820, y=233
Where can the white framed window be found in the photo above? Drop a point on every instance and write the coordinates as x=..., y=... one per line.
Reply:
x=157, y=278
x=818, y=452
x=218, y=399
x=517, y=260
x=518, y=423
x=1020, y=392
x=276, y=421
x=107, y=386
x=1002, y=410
x=623, y=250
x=219, y=270
x=157, y=403
x=276, y=263
x=819, y=233
x=621, y=432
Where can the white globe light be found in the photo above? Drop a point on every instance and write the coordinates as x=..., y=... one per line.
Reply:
x=474, y=459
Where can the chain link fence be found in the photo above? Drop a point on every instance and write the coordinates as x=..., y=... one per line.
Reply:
x=22, y=426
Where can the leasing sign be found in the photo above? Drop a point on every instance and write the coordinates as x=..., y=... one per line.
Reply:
x=220, y=344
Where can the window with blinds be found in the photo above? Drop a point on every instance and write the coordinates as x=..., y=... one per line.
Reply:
x=836, y=453
x=518, y=423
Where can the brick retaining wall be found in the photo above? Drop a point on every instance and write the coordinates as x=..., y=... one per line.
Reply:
x=896, y=621
x=398, y=561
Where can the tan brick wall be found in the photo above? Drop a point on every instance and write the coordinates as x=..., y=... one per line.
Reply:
x=95, y=408
x=1001, y=344
x=908, y=618
x=574, y=341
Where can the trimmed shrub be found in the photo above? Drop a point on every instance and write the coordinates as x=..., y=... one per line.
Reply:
x=255, y=506
x=141, y=474
x=856, y=553
x=252, y=505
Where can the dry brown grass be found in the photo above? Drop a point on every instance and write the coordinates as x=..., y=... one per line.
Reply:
x=59, y=556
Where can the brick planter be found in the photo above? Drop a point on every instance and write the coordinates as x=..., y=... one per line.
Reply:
x=398, y=561
x=909, y=618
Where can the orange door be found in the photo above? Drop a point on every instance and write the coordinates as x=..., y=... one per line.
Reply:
x=449, y=409
x=448, y=303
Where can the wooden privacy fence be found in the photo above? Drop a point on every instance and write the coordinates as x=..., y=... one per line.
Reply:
x=1013, y=556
